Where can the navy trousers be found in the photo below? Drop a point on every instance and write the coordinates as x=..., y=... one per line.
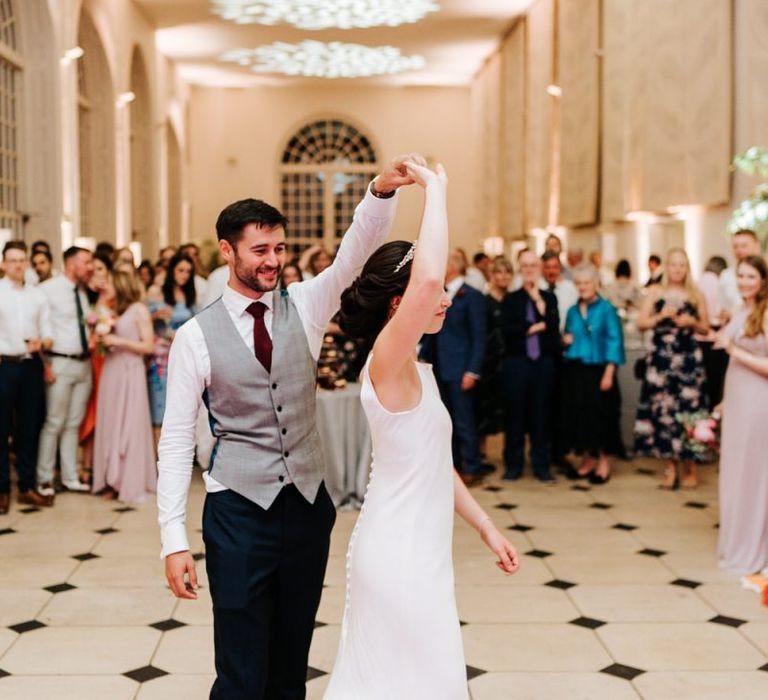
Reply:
x=466, y=440
x=21, y=415
x=266, y=571
x=528, y=390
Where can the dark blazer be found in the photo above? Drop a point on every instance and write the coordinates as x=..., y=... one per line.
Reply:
x=459, y=347
x=515, y=326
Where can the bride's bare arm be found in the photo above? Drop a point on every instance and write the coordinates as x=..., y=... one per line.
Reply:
x=471, y=511
x=396, y=342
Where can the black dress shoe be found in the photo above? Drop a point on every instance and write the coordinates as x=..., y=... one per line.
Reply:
x=598, y=480
x=548, y=479
x=487, y=468
x=5, y=501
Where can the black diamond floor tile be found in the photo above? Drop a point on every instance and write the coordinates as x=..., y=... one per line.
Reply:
x=505, y=506
x=588, y=622
x=87, y=556
x=106, y=531
x=145, y=673
x=580, y=487
x=168, y=625
x=520, y=528
x=199, y=556
x=315, y=673
x=625, y=527
x=652, y=552
x=493, y=489
x=685, y=583
x=473, y=672
x=696, y=504
x=29, y=509
x=60, y=588
x=7, y=531
x=559, y=583
x=601, y=506
x=728, y=621
x=124, y=509
x=539, y=553
x=628, y=673
x=29, y=626
x=462, y=623
x=3, y=674
x=764, y=667
x=319, y=624
x=645, y=471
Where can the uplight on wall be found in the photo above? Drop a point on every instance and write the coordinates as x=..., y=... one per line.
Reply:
x=135, y=248
x=554, y=90
x=324, y=14
x=85, y=242
x=493, y=246
x=125, y=98
x=693, y=232
x=71, y=55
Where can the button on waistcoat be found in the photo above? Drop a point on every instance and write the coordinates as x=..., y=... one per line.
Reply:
x=263, y=422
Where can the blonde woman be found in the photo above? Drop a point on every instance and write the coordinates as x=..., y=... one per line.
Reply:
x=674, y=379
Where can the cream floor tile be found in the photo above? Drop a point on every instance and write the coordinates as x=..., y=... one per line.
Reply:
x=757, y=633
x=35, y=572
x=316, y=688
x=699, y=565
x=325, y=645
x=631, y=603
x=195, y=612
x=480, y=569
x=662, y=515
x=21, y=605
x=680, y=647
x=7, y=637
x=39, y=545
x=734, y=601
x=541, y=686
x=500, y=604
x=609, y=570
x=48, y=520
x=84, y=687
x=81, y=650
x=331, y=608
x=174, y=687
x=130, y=572
x=186, y=650
x=533, y=647
x=671, y=539
x=336, y=571
x=561, y=540
x=108, y=607
x=703, y=685
x=581, y=517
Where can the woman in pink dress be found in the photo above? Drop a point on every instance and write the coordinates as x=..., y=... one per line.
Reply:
x=743, y=546
x=124, y=457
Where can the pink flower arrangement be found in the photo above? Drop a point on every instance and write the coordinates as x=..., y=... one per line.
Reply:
x=101, y=322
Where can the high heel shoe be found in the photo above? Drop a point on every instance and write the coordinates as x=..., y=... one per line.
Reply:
x=595, y=478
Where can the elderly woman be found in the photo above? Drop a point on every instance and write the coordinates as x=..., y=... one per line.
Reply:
x=595, y=343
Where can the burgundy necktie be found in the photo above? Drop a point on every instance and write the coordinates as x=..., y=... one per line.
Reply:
x=262, y=343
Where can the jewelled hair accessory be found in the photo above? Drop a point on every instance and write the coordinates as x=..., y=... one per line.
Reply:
x=408, y=257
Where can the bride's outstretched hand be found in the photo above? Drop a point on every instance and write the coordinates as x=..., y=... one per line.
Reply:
x=423, y=176
x=508, y=562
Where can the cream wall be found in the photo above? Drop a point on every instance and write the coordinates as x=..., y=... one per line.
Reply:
x=237, y=137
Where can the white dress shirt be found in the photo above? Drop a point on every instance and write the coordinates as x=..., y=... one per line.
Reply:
x=566, y=294
x=476, y=279
x=189, y=367
x=454, y=286
x=201, y=288
x=24, y=314
x=729, y=289
x=60, y=293
x=214, y=287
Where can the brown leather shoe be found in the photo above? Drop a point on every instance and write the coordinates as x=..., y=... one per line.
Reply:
x=5, y=502
x=471, y=480
x=33, y=498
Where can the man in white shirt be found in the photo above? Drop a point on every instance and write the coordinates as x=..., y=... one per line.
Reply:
x=25, y=331
x=743, y=243
x=42, y=265
x=69, y=370
x=479, y=273
x=552, y=280
x=267, y=517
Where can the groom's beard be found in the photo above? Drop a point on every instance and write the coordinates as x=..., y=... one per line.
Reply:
x=250, y=278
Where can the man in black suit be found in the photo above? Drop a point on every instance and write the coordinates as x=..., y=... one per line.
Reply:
x=457, y=353
x=531, y=326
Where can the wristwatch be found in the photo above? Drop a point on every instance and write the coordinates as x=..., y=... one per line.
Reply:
x=380, y=195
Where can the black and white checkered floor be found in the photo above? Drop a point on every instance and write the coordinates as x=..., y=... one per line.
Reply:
x=619, y=596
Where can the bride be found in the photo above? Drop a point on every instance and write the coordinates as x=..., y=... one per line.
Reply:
x=400, y=637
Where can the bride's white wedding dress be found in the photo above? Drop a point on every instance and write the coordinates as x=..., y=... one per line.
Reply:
x=400, y=637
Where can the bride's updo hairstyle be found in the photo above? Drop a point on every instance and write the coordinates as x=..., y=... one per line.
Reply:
x=365, y=303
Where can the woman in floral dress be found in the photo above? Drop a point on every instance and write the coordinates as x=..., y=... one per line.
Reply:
x=674, y=381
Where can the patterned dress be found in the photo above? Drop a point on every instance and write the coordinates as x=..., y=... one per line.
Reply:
x=674, y=383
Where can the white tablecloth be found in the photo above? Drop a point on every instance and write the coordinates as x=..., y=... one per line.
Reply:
x=346, y=441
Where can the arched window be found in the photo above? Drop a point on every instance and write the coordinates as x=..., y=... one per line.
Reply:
x=325, y=169
x=10, y=78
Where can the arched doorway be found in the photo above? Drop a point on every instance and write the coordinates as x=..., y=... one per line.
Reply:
x=325, y=168
x=96, y=126
x=174, y=186
x=142, y=167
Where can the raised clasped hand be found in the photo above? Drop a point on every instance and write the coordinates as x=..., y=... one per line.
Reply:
x=423, y=176
x=395, y=174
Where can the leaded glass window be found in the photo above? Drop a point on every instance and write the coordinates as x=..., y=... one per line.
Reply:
x=10, y=77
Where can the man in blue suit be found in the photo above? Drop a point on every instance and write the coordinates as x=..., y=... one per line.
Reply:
x=457, y=353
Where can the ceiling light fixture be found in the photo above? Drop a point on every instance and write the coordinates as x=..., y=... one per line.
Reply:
x=315, y=59
x=324, y=14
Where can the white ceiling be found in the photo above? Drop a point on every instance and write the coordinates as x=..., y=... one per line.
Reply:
x=454, y=41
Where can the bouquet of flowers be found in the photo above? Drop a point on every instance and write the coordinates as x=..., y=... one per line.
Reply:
x=100, y=322
x=702, y=431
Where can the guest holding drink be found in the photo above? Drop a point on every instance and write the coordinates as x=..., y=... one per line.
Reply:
x=743, y=545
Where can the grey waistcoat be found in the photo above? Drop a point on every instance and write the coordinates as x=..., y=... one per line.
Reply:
x=264, y=423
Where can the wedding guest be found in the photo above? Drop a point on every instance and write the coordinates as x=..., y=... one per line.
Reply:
x=291, y=273
x=655, y=271
x=457, y=353
x=123, y=456
x=743, y=244
x=575, y=257
x=553, y=281
x=743, y=534
x=606, y=274
x=25, y=331
x=317, y=260
x=624, y=294
x=146, y=272
x=715, y=359
x=192, y=251
x=69, y=372
x=478, y=273
x=123, y=260
x=103, y=248
x=674, y=381
x=591, y=400
x=555, y=245
x=531, y=326
x=170, y=306
x=42, y=264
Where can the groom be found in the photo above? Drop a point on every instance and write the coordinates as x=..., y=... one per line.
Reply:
x=251, y=357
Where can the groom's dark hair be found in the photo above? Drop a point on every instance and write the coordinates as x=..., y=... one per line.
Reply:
x=234, y=218
x=365, y=303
